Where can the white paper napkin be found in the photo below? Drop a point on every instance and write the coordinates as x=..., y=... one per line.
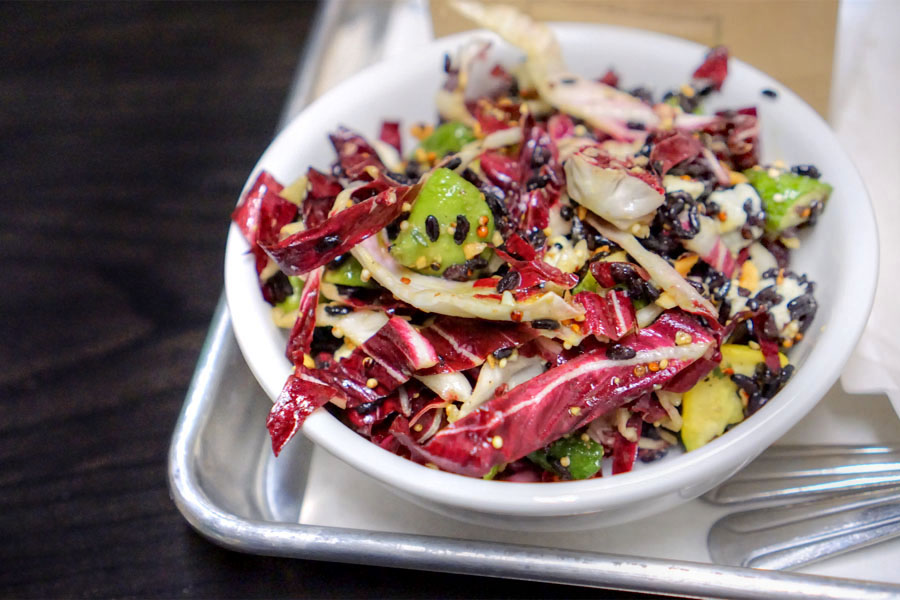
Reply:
x=865, y=96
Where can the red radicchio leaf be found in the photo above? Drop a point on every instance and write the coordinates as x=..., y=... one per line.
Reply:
x=493, y=117
x=714, y=67
x=323, y=189
x=541, y=177
x=610, y=78
x=532, y=269
x=302, y=332
x=736, y=137
x=390, y=357
x=560, y=126
x=365, y=417
x=535, y=413
x=302, y=394
x=390, y=134
x=501, y=170
x=461, y=344
x=261, y=214
x=355, y=154
x=625, y=451
x=699, y=369
x=611, y=316
x=319, y=245
x=649, y=408
x=674, y=149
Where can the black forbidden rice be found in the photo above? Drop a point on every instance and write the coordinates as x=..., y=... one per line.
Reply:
x=432, y=228
x=462, y=229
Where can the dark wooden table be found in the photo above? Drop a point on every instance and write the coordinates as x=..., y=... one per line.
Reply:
x=127, y=132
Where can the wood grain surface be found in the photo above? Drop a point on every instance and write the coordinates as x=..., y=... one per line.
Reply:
x=127, y=131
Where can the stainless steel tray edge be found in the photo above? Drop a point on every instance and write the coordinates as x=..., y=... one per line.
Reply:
x=552, y=565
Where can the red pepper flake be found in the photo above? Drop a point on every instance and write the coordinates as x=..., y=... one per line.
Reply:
x=486, y=282
x=728, y=371
x=654, y=367
x=482, y=231
x=723, y=216
x=516, y=316
x=405, y=280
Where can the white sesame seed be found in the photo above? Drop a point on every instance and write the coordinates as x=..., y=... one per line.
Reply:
x=372, y=383
x=565, y=461
x=497, y=442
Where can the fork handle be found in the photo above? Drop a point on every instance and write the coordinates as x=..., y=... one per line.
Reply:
x=793, y=535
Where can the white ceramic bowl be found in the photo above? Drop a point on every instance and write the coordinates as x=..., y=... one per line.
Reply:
x=840, y=255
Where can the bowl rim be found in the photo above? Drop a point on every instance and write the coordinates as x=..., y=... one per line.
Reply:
x=682, y=472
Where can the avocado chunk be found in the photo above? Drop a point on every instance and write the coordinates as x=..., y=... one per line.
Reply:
x=447, y=207
x=713, y=404
x=349, y=272
x=448, y=138
x=571, y=457
x=708, y=408
x=788, y=199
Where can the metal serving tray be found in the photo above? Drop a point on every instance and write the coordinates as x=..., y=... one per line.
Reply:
x=229, y=487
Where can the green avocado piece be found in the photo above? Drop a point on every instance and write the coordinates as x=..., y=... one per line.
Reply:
x=448, y=138
x=444, y=196
x=708, y=408
x=713, y=404
x=795, y=193
x=584, y=457
x=348, y=273
x=293, y=301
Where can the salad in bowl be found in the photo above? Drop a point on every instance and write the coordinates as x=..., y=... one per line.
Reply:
x=556, y=278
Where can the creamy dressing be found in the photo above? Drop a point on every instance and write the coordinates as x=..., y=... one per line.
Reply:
x=673, y=183
x=731, y=204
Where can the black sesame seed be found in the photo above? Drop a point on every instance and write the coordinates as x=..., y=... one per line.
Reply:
x=328, y=242
x=643, y=93
x=635, y=125
x=568, y=80
x=503, y=353
x=399, y=178
x=498, y=208
x=336, y=309
x=456, y=273
x=510, y=281
x=620, y=352
x=435, y=266
x=537, y=182
x=462, y=229
x=566, y=212
x=432, y=228
x=806, y=171
x=447, y=63
x=545, y=324
x=454, y=163
x=540, y=156
x=769, y=93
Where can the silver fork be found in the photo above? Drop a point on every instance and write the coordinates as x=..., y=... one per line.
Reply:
x=811, y=503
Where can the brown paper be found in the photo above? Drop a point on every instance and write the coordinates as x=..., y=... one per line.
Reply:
x=791, y=40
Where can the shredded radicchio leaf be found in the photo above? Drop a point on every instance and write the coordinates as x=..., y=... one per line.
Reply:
x=300, y=253
x=567, y=397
